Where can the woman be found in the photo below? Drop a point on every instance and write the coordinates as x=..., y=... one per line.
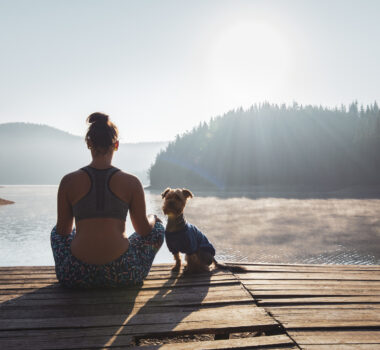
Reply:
x=97, y=251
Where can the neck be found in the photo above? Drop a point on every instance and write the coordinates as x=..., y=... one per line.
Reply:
x=101, y=162
x=175, y=223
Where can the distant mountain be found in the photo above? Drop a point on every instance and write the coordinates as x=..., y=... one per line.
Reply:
x=40, y=154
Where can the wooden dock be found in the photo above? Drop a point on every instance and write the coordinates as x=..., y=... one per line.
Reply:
x=267, y=307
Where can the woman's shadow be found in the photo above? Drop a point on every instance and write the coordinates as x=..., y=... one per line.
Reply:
x=51, y=316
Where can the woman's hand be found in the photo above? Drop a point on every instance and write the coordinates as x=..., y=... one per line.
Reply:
x=155, y=218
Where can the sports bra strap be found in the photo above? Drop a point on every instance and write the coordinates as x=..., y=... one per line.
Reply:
x=100, y=201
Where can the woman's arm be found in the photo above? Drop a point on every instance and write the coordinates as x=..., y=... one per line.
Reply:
x=142, y=224
x=65, y=213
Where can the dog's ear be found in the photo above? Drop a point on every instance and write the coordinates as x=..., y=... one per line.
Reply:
x=163, y=194
x=187, y=193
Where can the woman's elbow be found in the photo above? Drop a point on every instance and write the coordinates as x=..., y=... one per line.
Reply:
x=63, y=230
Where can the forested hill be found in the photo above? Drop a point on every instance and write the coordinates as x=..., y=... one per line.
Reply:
x=40, y=154
x=276, y=145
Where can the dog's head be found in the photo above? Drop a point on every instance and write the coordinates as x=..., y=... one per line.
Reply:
x=175, y=200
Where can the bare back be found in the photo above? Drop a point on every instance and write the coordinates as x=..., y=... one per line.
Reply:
x=100, y=240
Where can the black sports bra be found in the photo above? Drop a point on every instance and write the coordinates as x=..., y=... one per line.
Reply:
x=100, y=201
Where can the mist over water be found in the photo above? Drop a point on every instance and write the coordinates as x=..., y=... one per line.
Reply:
x=271, y=230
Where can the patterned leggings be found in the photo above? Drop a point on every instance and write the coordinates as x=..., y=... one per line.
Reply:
x=129, y=269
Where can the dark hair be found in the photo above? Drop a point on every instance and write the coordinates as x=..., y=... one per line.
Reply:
x=101, y=133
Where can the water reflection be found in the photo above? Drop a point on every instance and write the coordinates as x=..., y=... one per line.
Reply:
x=323, y=231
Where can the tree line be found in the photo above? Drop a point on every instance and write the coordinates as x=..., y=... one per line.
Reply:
x=270, y=144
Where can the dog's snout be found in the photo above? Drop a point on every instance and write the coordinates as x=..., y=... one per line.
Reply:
x=171, y=204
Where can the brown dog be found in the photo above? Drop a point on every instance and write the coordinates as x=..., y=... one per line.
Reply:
x=182, y=237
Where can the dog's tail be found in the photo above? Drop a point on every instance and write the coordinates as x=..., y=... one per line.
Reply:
x=228, y=267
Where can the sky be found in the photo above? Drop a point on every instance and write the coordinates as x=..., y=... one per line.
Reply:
x=158, y=68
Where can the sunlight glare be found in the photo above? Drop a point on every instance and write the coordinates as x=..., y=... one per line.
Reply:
x=250, y=61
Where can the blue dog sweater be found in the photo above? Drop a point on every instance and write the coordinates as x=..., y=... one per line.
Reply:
x=188, y=241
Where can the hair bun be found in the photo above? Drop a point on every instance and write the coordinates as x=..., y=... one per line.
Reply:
x=97, y=118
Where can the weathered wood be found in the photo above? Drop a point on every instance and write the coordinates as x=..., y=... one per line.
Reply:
x=319, y=300
x=65, y=343
x=43, y=310
x=313, y=292
x=35, y=278
x=326, y=266
x=121, y=340
x=303, y=318
x=351, y=336
x=147, y=284
x=342, y=347
x=319, y=305
x=242, y=343
x=311, y=283
x=367, y=276
x=154, y=330
x=247, y=315
x=312, y=286
x=120, y=296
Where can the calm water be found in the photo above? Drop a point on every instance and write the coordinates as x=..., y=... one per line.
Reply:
x=268, y=230
x=25, y=226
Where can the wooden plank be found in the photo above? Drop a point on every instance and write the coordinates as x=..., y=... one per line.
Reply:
x=329, y=313
x=316, y=307
x=342, y=347
x=120, y=295
x=51, y=271
x=310, y=269
x=241, y=263
x=162, y=329
x=351, y=336
x=124, y=292
x=311, y=283
x=147, y=283
x=328, y=319
x=313, y=292
x=322, y=285
x=143, y=314
x=248, y=316
x=152, y=273
x=38, y=311
x=309, y=276
x=287, y=265
x=96, y=342
x=319, y=300
x=93, y=331
x=282, y=341
x=160, y=285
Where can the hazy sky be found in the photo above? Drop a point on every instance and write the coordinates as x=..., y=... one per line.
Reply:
x=160, y=67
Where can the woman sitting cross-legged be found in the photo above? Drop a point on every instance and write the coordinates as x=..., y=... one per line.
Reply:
x=97, y=252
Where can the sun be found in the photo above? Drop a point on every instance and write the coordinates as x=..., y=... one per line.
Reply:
x=249, y=61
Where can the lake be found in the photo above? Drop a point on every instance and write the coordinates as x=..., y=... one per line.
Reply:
x=278, y=230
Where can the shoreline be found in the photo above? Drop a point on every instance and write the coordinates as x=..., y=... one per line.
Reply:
x=290, y=192
x=5, y=202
